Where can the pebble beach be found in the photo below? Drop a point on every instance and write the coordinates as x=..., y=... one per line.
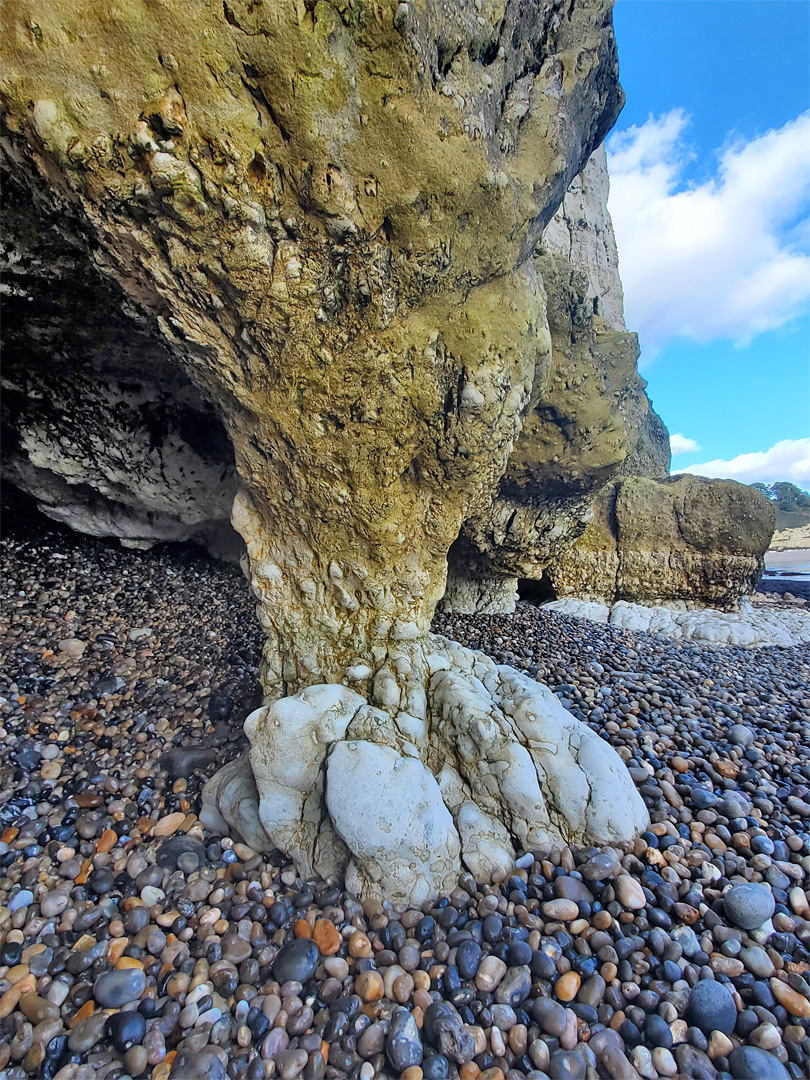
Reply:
x=133, y=943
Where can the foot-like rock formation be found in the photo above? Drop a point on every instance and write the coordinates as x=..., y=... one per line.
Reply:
x=445, y=758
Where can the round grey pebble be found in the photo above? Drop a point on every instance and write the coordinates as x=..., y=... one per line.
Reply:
x=200, y=1065
x=711, y=1008
x=749, y=906
x=117, y=988
x=751, y=1063
x=740, y=735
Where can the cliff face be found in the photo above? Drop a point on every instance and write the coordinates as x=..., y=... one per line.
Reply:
x=683, y=538
x=586, y=503
x=589, y=422
x=328, y=217
x=272, y=237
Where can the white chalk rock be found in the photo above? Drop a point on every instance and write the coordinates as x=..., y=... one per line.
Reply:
x=289, y=741
x=751, y=627
x=389, y=812
x=487, y=764
x=580, y=609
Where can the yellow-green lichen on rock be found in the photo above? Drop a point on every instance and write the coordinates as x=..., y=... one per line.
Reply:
x=684, y=538
x=328, y=211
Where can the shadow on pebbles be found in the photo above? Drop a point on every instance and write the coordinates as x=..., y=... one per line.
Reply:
x=133, y=944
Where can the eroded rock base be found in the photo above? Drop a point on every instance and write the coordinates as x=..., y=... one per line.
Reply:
x=749, y=627
x=449, y=762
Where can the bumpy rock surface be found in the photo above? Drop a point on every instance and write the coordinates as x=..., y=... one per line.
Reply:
x=330, y=217
x=560, y=515
x=484, y=766
x=591, y=420
x=683, y=538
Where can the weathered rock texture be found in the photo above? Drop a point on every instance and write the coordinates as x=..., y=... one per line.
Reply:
x=683, y=538
x=591, y=419
x=585, y=505
x=753, y=626
x=478, y=765
x=330, y=215
x=98, y=423
x=582, y=232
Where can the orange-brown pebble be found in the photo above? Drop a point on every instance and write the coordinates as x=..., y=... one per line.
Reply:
x=608, y=971
x=86, y=1010
x=169, y=825
x=602, y=920
x=369, y=985
x=679, y=764
x=117, y=948
x=795, y=1003
x=161, y=1071
x=492, y=1074
x=9, y=999
x=359, y=945
x=9, y=834
x=470, y=1071
x=129, y=962
x=87, y=866
x=421, y=979
x=302, y=929
x=566, y=987
x=88, y=801
x=107, y=841
x=414, y=1072
x=326, y=936
x=617, y=1019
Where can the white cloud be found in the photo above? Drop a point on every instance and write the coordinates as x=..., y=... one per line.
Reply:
x=680, y=444
x=786, y=460
x=726, y=258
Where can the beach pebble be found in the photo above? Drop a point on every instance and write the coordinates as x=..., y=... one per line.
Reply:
x=711, y=1007
x=117, y=988
x=403, y=1045
x=296, y=961
x=749, y=906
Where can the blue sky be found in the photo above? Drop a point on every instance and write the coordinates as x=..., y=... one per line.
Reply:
x=710, y=195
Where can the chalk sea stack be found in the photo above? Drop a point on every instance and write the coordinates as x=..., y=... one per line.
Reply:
x=308, y=254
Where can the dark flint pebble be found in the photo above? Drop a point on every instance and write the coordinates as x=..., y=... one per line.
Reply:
x=181, y=761
x=296, y=962
x=174, y=846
